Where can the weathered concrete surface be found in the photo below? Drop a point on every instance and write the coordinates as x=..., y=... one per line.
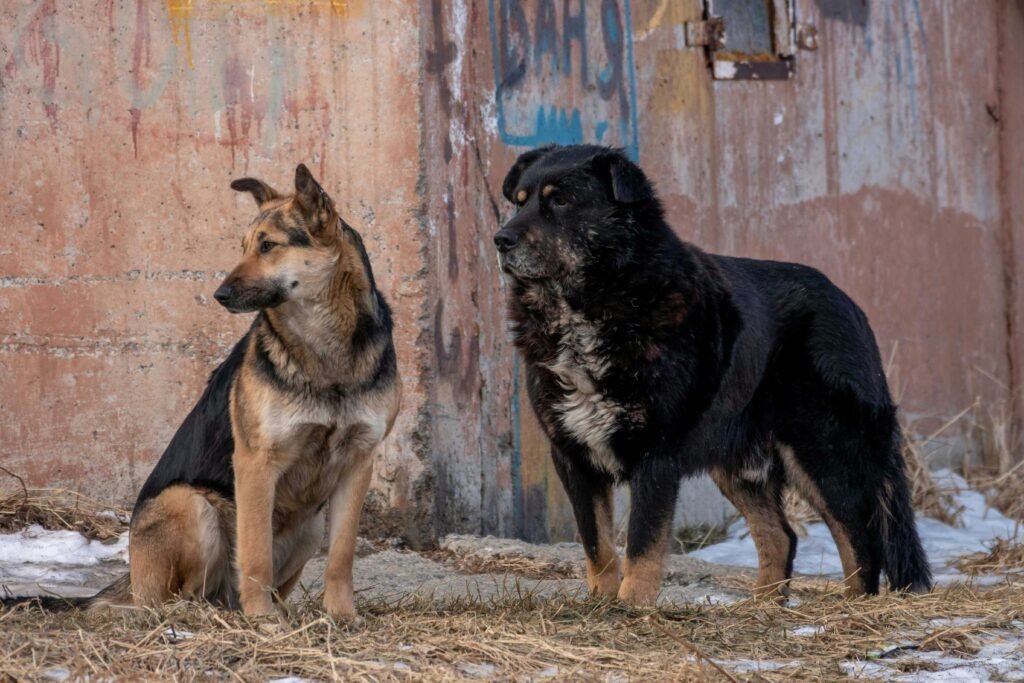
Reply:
x=892, y=161
x=879, y=162
x=123, y=123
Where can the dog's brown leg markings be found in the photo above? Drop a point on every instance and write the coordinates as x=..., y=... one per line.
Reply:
x=809, y=490
x=642, y=574
x=603, y=571
x=761, y=506
x=254, y=500
x=345, y=507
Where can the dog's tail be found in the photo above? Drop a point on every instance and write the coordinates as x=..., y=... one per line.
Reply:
x=117, y=593
x=906, y=565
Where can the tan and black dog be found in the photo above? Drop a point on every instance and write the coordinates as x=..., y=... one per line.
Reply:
x=286, y=428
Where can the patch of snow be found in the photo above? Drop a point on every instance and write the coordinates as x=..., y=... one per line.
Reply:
x=817, y=556
x=57, y=674
x=36, y=545
x=745, y=666
x=805, y=631
x=478, y=670
x=720, y=599
x=1003, y=661
x=40, y=573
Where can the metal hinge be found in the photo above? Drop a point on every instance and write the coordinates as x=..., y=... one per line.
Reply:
x=710, y=33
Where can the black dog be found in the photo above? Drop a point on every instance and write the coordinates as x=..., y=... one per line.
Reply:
x=649, y=360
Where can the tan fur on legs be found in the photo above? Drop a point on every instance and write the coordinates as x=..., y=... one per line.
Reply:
x=254, y=501
x=178, y=548
x=763, y=516
x=851, y=567
x=809, y=490
x=642, y=575
x=603, y=575
x=346, y=506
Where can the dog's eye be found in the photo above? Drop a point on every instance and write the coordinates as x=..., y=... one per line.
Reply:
x=560, y=202
x=266, y=246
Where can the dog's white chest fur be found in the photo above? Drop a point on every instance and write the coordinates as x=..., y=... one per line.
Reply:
x=584, y=412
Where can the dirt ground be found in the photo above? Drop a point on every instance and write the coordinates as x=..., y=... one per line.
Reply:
x=499, y=609
x=483, y=568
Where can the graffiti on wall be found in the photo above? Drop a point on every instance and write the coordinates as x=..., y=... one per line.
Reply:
x=563, y=72
x=152, y=49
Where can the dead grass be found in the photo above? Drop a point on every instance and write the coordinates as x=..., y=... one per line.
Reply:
x=928, y=497
x=1005, y=556
x=994, y=468
x=521, y=637
x=507, y=563
x=57, y=509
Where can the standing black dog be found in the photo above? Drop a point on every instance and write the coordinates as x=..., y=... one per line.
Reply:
x=649, y=360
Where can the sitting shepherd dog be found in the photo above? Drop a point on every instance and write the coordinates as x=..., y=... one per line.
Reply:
x=649, y=360
x=288, y=423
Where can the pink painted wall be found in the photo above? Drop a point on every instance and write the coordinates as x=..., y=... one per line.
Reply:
x=890, y=161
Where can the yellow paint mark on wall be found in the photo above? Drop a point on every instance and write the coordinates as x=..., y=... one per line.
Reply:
x=343, y=8
x=180, y=11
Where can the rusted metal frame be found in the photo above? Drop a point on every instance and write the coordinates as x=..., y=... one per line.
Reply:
x=713, y=33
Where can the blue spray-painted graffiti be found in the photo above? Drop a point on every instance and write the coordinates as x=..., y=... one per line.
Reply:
x=564, y=77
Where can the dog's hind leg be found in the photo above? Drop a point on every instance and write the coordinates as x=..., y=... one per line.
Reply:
x=178, y=547
x=590, y=493
x=760, y=503
x=844, y=501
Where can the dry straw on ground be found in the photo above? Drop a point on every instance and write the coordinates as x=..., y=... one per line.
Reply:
x=510, y=563
x=520, y=637
x=993, y=467
x=1004, y=556
x=57, y=509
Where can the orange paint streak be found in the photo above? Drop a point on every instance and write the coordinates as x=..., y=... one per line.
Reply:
x=180, y=11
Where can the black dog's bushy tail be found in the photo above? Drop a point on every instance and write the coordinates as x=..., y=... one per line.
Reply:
x=906, y=565
x=117, y=593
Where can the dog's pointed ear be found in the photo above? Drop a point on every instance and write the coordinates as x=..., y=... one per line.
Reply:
x=260, y=191
x=627, y=182
x=525, y=160
x=312, y=198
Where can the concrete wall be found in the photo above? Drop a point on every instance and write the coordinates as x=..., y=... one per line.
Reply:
x=891, y=160
x=122, y=123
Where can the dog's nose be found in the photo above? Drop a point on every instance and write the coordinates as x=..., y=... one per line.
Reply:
x=223, y=294
x=506, y=239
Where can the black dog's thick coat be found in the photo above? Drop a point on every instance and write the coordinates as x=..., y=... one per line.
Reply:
x=649, y=360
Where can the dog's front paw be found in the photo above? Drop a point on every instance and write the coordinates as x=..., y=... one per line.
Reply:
x=604, y=583
x=255, y=609
x=340, y=606
x=639, y=593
